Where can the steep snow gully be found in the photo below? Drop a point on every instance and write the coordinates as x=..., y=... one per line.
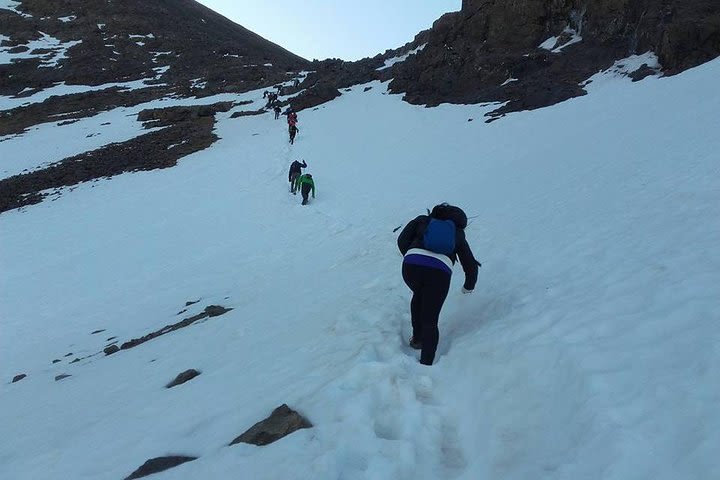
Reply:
x=588, y=350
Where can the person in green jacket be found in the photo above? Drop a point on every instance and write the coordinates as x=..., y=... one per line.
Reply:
x=305, y=184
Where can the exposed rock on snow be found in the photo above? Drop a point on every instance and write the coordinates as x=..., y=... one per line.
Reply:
x=146, y=152
x=282, y=422
x=19, y=377
x=183, y=377
x=62, y=376
x=157, y=117
x=247, y=113
x=157, y=465
x=210, y=311
x=110, y=349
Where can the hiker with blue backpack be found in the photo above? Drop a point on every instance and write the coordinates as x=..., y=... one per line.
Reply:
x=430, y=245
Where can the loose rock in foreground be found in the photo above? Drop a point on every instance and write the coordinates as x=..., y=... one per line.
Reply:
x=185, y=376
x=160, y=464
x=19, y=377
x=281, y=422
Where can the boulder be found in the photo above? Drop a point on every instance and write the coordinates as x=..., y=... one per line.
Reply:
x=159, y=464
x=183, y=377
x=282, y=422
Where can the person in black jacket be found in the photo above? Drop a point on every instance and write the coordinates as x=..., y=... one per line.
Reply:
x=295, y=171
x=428, y=273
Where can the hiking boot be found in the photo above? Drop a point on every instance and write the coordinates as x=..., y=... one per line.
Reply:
x=416, y=344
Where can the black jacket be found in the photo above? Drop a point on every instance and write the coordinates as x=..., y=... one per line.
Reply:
x=412, y=237
x=296, y=167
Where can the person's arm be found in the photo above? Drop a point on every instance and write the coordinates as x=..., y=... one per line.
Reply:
x=468, y=262
x=407, y=235
x=304, y=165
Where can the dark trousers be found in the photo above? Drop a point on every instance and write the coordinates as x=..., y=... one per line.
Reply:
x=430, y=287
x=293, y=177
x=293, y=131
x=305, y=191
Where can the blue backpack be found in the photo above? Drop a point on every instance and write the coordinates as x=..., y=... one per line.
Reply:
x=439, y=236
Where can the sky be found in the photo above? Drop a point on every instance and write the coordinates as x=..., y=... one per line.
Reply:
x=333, y=28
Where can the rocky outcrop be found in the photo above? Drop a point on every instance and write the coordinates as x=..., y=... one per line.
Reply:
x=159, y=464
x=18, y=377
x=62, y=376
x=183, y=377
x=471, y=54
x=282, y=422
x=160, y=149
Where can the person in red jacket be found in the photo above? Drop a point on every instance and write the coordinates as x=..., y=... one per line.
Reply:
x=430, y=245
x=292, y=125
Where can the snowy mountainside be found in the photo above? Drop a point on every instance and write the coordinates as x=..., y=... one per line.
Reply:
x=588, y=350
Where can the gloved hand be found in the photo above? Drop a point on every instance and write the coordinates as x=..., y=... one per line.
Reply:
x=465, y=290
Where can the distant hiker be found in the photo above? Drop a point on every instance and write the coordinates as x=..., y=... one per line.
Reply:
x=305, y=184
x=272, y=98
x=277, y=111
x=430, y=245
x=279, y=89
x=292, y=130
x=292, y=120
x=295, y=171
x=265, y=94
x=296, y=83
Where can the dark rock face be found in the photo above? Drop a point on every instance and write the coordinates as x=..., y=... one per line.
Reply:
x=282, y=422
x=157, y=465
x=19, y=377
x=185, y=376
x=62, y=376
x=471, y=53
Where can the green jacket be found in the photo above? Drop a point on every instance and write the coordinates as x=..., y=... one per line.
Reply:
x=305, y=179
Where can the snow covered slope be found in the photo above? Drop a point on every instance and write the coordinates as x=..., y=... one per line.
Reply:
x=588, y=350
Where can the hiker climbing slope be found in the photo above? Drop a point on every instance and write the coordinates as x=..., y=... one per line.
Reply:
x=430, y=245
x=305, y=184
x=295, y=171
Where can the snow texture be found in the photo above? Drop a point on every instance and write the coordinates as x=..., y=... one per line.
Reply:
x=589, y=349
x=59, y=51
x=392, y=61
x=550, y=43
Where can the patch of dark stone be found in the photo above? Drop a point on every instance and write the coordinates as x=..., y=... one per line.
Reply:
x=57, y=360
x=62, y=377
x=210, y=311
x=110, y=349
x=19, y=377
x=69, y=355
x=247, y=113
x=159, y=464
x=110, y=339
x=162, y=117
x=66, y=109
x=191, y=302
x=282, y=422
x=97, y=331
x=183, y=377
x=146, y=152
x=367, y=89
